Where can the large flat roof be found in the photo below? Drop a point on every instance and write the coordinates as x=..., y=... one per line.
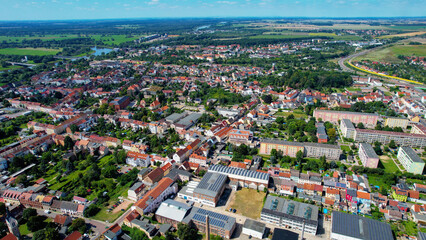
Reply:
x=412, y=155
x=216, y=219
x=359, y=227
x=239, y=171
x=293, y=210
x=368, y=149
x=211, y=184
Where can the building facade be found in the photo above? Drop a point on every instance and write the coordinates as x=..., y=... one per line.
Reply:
x=368, y=119
x=368, y=156
x=410, y=160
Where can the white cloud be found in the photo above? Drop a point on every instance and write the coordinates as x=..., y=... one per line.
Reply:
x=153, y=2
x=226, y=2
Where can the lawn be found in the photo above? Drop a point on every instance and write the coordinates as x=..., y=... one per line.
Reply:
x=388, y=164
x=29, y=51
x=23, y=229
x=296, y=113
x=345, y=148
x=353, y=89
x=248, y=202
x=288, y=36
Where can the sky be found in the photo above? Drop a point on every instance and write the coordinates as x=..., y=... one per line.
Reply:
x=112, y=9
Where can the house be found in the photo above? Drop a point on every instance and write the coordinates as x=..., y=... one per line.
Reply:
x=62, y=220
x=154, y=176
x=136, y=191
x=113, y=232
x=74, y=236
x=9, y=236
x=399, y=194
x=154, y=197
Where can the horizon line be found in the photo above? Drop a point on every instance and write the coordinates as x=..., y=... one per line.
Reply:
x=238, y=17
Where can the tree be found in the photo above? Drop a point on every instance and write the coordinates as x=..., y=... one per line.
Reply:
x=360, y=125
x=74, y=128
x=29, y=212
x=187, y=232
x=35, y=223
x=2, y=208
x=90, y=211
x=392, y=144
x=78, y=225
x=267, y=98
x=333, y=165
x=3, y=229
x=48, y=233
x=68, y=143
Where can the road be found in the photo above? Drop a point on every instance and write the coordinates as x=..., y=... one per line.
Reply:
x=350, y=57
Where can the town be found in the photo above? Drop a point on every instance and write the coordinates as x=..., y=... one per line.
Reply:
x=155, y=139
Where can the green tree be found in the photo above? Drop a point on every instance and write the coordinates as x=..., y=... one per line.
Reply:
x=91, y=211
x=187, y=232
x=3, y=229
x=29, y=212
x=2, y=208
x=78, y=224
x=360, y=125
x=392, y=144
x=68, y=143
x=267, y=98
x=74, y=128
x=35, y=223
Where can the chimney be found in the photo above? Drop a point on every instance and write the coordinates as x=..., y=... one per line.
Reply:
x=207, y=227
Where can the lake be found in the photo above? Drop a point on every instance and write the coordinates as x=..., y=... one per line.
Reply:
x=99, y=51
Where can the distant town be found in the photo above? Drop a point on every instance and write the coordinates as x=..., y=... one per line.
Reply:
x=215, y=132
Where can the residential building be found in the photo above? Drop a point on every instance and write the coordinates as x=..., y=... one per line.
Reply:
x=314, y=150
x=410, y=160
x=368, y=119
x=154, y=197
x=347, y=128
x=368, y=156
x=136, y=159
x=384, y=137
x=288, y=213
x=354, y=227
x=120, y=103
x=136, y=191
x=397, y=122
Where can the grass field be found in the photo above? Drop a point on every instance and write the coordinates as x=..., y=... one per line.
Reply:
x=388, y=164
x=248, y=202
x=29, y=51
x=114, y=39
x=345, y=148
x=108, y=40
x=275, y=36
x=296, y=113
x=390, y=54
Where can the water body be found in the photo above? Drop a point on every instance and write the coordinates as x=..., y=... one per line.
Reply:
x=202, y=27
x=99, y=51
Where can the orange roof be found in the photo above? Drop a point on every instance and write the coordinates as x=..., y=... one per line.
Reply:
x=132, y=215
x=332, y=191
x=61, y=219
x=413, y=194
x=363, y=195
x=163, y=184
x=74, y=236
x=237, y=165
x=284, y=174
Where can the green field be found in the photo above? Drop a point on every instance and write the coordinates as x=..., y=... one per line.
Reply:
x=42, y=37
x=388, y=164
x=114, y=39
x=108, y=40
x=279, y=36
x=29, y=51
x=296, y=113
x=390, y=54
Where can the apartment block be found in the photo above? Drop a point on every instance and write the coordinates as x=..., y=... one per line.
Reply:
x=410, y=160
x=368, y=156
x=368, y=119
x=347, y=128
x=384, y=137
x=397, y=122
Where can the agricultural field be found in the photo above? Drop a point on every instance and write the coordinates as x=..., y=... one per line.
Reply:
x=42, y=37
x=248, y=202
x=114, y=39
x=390, y=54
x=29, y=51
x=410, y=34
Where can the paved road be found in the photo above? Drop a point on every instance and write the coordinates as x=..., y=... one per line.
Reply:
x=350, y=57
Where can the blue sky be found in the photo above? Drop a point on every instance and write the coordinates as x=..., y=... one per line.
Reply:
x=100, y=9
